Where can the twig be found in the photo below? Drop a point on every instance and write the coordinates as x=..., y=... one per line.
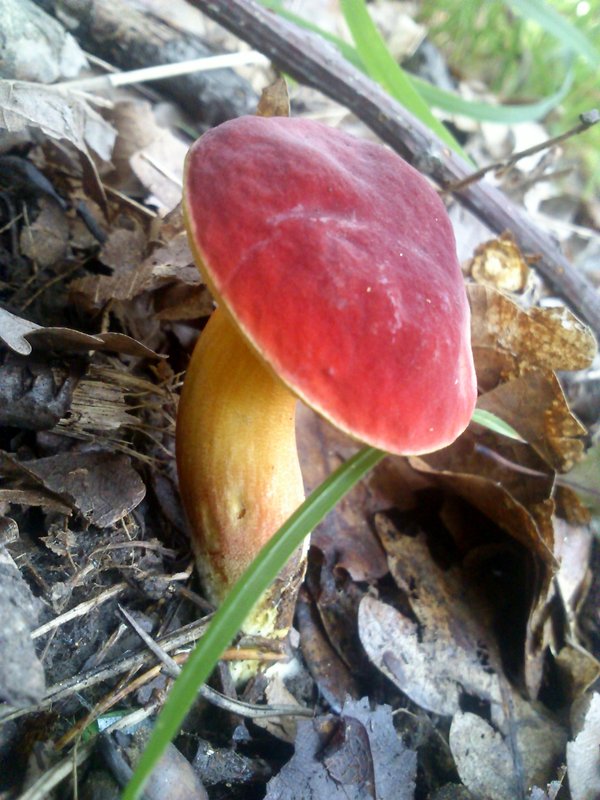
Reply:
x=140, y=658
x=79, y=611
x=163, y=71
x=310, y=60
x=587, y=120
x=56, y=774
x=216, y=698
x=184, y=636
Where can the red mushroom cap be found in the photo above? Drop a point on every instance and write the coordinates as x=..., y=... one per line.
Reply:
x=337, y=261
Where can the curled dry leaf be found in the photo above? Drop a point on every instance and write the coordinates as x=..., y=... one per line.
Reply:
x=528, y=522
x=33, y=497
x=500, y=263
x=136, y=127
x=334, y=679
x=274, y=100
x=516, y=351
x=535, y=405
x=57, y=114
x=337, y=598
x=21, y=334
x=450, y=651
x=548, y=338
x=519, y=505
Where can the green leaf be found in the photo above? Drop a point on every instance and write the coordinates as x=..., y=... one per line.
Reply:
x=230, y=616
x=495, y=424
x=558, y=26
x=383, y=68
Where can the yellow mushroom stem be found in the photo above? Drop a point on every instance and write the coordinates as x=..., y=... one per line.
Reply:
x=238, y=467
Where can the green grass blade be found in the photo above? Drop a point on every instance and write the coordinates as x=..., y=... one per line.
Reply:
x=486, y=112
x=488, y=420
x=441, y=99
x=383, y=68
x=232, y=613
x=558, y=26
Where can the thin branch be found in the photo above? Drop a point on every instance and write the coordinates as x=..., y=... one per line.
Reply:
x=80, y=610
x=163, y=71
x=316, y=63
x=587, y=119
x=238, y=707
x=63, y=768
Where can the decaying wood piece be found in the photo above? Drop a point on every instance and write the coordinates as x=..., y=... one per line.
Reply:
x=307, y=58
x=129, y=39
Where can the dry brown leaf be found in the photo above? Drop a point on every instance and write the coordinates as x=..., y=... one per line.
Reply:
x=434, y=672
x=500, y=263
x=522, y=510
x=159, y=168
x=456, y=648
x=21, y=334
x=528, y=521
x=136, y=128
x=350, y=757
x=535, y=405
x=181, y=302
x=549, y=338
x=274, y=100
x=531, y=731
x=579, y=670
x=337, y=598
x=36, y=498
x=276, y=693
x=168, y=263
x=31, y=105
x=482, y=758
x=45, y=241
x=103, y=487
x=124, y=248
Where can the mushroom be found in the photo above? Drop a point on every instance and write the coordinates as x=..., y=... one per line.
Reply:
x=334, y=268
